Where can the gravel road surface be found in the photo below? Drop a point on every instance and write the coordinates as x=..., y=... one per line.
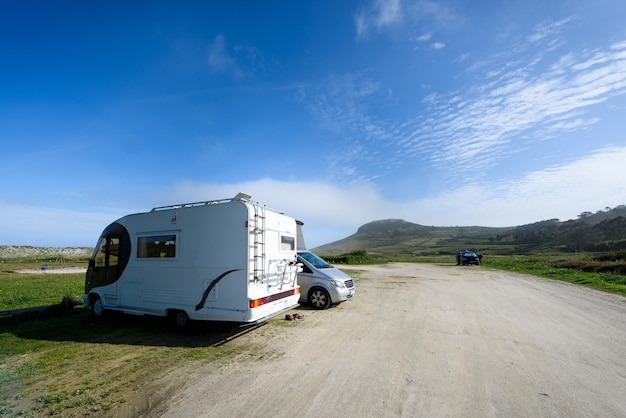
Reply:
x=421, y=340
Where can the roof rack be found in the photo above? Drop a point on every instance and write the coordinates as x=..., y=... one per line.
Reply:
x=241, y=197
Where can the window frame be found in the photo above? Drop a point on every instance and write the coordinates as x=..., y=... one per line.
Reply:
x=289, y=240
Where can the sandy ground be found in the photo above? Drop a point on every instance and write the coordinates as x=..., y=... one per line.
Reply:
x=423, y=340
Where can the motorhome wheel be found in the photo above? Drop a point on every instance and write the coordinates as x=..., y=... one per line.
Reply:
x=181, y=320
x=97, y=309
x=319, y=298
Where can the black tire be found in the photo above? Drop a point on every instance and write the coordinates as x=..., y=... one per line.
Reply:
x=181, y=320
x=319, y=298
x=97, y=308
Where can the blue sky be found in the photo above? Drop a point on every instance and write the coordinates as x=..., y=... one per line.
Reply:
x=441, y=113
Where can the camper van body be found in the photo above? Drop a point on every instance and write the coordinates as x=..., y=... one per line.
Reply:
x=222, y=260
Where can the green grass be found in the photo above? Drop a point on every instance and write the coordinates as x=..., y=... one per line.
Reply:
x=25, y=290
x=579, y=269
x=20, y=290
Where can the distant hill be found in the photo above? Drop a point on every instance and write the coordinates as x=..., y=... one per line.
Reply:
x=601, y=232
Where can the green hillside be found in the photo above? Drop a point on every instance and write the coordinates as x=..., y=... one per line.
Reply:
x=603, y=231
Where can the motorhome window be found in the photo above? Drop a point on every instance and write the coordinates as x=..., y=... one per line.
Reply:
x=287, y=243
x=114, y=251
x=100, y=255
x=156, y=246
x=108, y=252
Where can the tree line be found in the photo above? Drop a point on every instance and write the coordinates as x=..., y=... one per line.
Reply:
x=602, y=231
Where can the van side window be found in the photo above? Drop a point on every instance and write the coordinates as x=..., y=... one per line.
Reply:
x=156, y=246
x=287, y=243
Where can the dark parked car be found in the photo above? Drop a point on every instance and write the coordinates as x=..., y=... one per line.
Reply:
x=466, y=257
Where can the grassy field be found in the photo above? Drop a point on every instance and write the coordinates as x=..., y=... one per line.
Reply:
x=25, y=290
x=579, y=269
x=62, y=362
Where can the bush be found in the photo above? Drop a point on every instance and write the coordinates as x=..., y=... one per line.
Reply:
x=354, y=257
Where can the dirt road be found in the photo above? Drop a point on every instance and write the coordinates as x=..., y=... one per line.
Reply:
x=425, y=341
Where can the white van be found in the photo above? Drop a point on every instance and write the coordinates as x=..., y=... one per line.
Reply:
x=322, y=285
x=220, y=260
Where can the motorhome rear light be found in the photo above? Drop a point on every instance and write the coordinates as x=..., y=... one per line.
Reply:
x=255, y=303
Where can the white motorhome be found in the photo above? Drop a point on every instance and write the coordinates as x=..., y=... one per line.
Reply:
x=221, y=260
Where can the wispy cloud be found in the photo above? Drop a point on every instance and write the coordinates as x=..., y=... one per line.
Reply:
x=438, y=45
x=525, y=94
x=221, y=61
x=391, y=15
x=473, y=129
x=380, y=14
x=549, y=34
x=346, y=104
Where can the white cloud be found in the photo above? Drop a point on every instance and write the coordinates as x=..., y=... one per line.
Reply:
x=438, y=45
x=588, y=184
x=379, y=15
x=397, y=15
x=332, y=212
x=549, y=33
x=472, y=130
x=329, y=212
x=220, y=61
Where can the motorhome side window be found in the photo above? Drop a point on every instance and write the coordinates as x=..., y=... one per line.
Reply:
x=156, y=246
x=287, y=243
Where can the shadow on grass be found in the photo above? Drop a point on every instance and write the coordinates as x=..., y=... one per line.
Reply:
x=77, y=325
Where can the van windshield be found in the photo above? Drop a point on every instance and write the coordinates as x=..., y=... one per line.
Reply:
x=317, y=262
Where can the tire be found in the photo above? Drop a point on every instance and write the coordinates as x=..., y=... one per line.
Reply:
x=181, y=320
x=97, y=307
x=319, y=298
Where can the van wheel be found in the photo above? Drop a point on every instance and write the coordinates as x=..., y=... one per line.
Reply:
x=319, y=298
x=97, y=308
x=181, y=320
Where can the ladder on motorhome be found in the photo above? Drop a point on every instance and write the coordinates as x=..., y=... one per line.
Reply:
x=259, y=243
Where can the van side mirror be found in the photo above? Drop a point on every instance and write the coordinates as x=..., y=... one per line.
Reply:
x=92, y=263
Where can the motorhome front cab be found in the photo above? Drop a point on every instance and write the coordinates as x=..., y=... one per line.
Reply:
x=222, y=260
